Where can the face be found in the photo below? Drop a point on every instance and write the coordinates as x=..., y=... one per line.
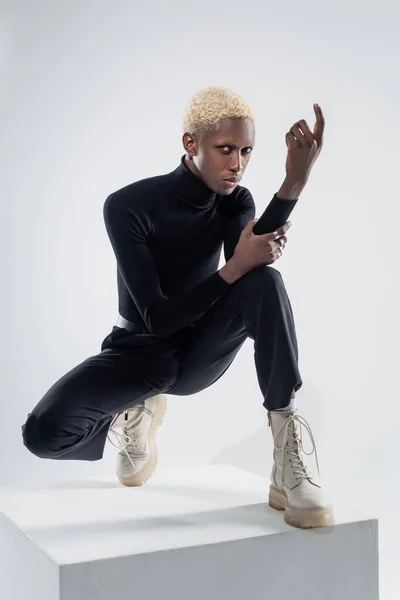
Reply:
x=221, y=154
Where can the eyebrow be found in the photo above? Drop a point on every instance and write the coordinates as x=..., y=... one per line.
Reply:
x=233, y=145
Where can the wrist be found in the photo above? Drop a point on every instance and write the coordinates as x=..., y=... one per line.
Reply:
x=290, y=190
x=230, y=272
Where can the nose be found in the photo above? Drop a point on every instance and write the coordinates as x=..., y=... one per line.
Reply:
x=236, y=164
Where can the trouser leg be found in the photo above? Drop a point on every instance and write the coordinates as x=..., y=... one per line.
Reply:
x=72, y=419
x=269, y=321
x=255, y=306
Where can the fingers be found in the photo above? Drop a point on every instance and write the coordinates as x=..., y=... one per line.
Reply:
x=278, y=246
x=301, y=132
x=319, y=116
x=280, y=249
x=281, y=243
x=280, y=231
x=319, y=126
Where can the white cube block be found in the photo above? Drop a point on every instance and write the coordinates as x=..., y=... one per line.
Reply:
x=189, y=533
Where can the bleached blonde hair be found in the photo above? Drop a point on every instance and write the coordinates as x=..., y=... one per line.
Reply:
x=208, y=106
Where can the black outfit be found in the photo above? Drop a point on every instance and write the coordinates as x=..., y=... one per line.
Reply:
x=186, y=322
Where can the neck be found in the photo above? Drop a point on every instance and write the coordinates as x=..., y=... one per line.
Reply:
x=189, y=188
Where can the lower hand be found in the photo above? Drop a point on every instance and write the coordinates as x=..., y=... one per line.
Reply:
x=253, y=251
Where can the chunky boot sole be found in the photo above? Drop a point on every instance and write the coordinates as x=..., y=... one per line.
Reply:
x=147, y=471
x=305, y=518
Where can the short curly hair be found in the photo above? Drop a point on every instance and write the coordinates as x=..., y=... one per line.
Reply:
x=207, y=107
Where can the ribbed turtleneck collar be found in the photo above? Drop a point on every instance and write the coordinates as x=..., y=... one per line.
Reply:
x=190, y=189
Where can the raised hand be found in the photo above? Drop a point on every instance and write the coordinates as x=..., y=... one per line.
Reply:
x=304, y=147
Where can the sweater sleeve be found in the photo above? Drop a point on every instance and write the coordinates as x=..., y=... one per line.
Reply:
x=276, y=214
x=161, y=315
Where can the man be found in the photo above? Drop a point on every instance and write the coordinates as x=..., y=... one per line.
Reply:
x=182, y=320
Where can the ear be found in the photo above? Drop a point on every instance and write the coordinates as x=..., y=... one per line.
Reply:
x=190, y=144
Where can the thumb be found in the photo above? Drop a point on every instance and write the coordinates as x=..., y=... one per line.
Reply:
x=250, y=225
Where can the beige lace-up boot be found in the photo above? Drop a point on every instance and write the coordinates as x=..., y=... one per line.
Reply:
x=294, y=488
x=137, y=456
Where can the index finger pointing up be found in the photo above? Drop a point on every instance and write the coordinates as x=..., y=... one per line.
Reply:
x=319, y=125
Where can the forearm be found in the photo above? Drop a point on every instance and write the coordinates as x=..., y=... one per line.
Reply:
x=230, y=272
x=290, y=190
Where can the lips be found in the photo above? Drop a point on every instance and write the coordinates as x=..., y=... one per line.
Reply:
x=232, y=179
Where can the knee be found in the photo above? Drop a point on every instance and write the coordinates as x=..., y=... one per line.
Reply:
x=37, y=435
x=264, y=274
x=272, y=273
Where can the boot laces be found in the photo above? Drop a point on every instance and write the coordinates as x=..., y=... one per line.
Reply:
x=292, y=439
x=126, y=441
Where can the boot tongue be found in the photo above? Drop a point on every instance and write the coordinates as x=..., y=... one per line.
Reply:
x=293, y=436
x=295, y=444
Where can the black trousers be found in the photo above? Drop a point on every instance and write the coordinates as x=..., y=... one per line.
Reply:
x=72, y=419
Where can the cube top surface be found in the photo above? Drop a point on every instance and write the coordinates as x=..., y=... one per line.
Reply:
x=187, y=506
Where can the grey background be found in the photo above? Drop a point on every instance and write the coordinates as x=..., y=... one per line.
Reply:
x=92, y=96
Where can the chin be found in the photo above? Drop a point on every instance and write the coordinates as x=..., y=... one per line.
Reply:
x=227, y=191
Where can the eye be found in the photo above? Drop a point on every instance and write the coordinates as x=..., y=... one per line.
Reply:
x=230, y=147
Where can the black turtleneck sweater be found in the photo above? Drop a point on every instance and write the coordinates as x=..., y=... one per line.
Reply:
x=167, y=234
